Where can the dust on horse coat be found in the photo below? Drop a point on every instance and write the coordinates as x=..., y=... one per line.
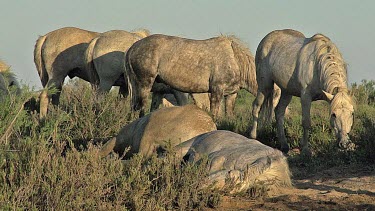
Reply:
x=104, y=58
x=310, y=68
x=219, y=66
x=172, y=125
x=58, y=54
x=8, y=80
x=236, y=163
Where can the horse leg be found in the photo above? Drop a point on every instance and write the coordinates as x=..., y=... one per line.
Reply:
x=181, y=97
x=123, y=91
x=280, y=114
x=230, y=101
x=143, y=94
x=306, y=122
x=44, y=97
x=156, y=100
x=257, y=104
x=216, y=97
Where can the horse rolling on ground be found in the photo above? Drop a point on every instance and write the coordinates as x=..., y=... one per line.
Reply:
x=58, y=54
x=7, y=80
x=310, y=68
x=219, y=66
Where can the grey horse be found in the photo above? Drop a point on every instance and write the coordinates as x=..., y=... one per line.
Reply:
x=58, y=54
x=219, y=66
x=310, y=68
x=237, y=163
x=104, y=58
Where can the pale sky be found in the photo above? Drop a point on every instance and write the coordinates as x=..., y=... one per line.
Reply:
x=349, y=24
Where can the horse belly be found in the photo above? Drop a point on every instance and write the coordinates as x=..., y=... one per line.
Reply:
x=186, y=79
x=287, y=82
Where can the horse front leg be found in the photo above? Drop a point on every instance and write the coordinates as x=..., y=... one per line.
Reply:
x=279, y=115
x=306, y=123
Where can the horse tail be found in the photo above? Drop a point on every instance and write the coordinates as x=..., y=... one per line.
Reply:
x=38, y=60
x=89, y=59
x=131, y=81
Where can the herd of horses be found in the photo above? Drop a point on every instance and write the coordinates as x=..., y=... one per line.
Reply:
x=286, y=64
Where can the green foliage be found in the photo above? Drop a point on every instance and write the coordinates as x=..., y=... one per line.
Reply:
x=43, y=167
x=54, y=164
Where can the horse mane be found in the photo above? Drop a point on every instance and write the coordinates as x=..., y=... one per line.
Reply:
x=341, y=100
x=246, y=63
x=142, y=32
x=331, y=66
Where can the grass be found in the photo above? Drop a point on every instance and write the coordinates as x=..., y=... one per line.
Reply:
x=53, y=164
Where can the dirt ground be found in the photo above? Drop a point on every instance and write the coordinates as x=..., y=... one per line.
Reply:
x=349, y=187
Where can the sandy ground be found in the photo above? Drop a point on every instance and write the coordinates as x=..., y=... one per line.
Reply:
x=338, y=188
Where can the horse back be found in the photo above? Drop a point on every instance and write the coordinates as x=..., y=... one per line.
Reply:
x=276, y=58
x=64, y=49
x=184, y=63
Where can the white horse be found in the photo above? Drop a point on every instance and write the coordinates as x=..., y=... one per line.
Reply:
x=310, y=68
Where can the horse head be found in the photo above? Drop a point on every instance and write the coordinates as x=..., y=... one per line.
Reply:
x=342, y=117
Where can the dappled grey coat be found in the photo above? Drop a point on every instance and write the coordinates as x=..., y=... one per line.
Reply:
x=236, y=162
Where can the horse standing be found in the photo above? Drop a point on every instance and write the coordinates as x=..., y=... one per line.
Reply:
x=220, y=66
x=105, y=58
x=310, y=68
x=58, y=54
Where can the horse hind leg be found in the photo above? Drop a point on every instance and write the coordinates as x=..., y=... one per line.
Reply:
x=279, y=115
x=306, y=123
x=44, y=97
x=264, y=93
x=216, y=97
x=230, y=101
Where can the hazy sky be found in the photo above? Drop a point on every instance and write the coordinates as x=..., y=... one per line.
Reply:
x=349, y=24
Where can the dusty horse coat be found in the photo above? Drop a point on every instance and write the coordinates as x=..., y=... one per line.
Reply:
x=236, y=162
x=58, y=54
x=172, y=125
x=220, y=66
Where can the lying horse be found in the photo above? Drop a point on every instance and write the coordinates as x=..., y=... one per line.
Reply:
x=58, y=54
x=219, y=66
x=310, y=68
x=237, y=163
x=166, y=126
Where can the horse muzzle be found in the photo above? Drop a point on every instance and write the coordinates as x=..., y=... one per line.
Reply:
x=345, y=143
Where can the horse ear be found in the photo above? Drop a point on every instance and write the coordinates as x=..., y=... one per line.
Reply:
x=329, y=96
